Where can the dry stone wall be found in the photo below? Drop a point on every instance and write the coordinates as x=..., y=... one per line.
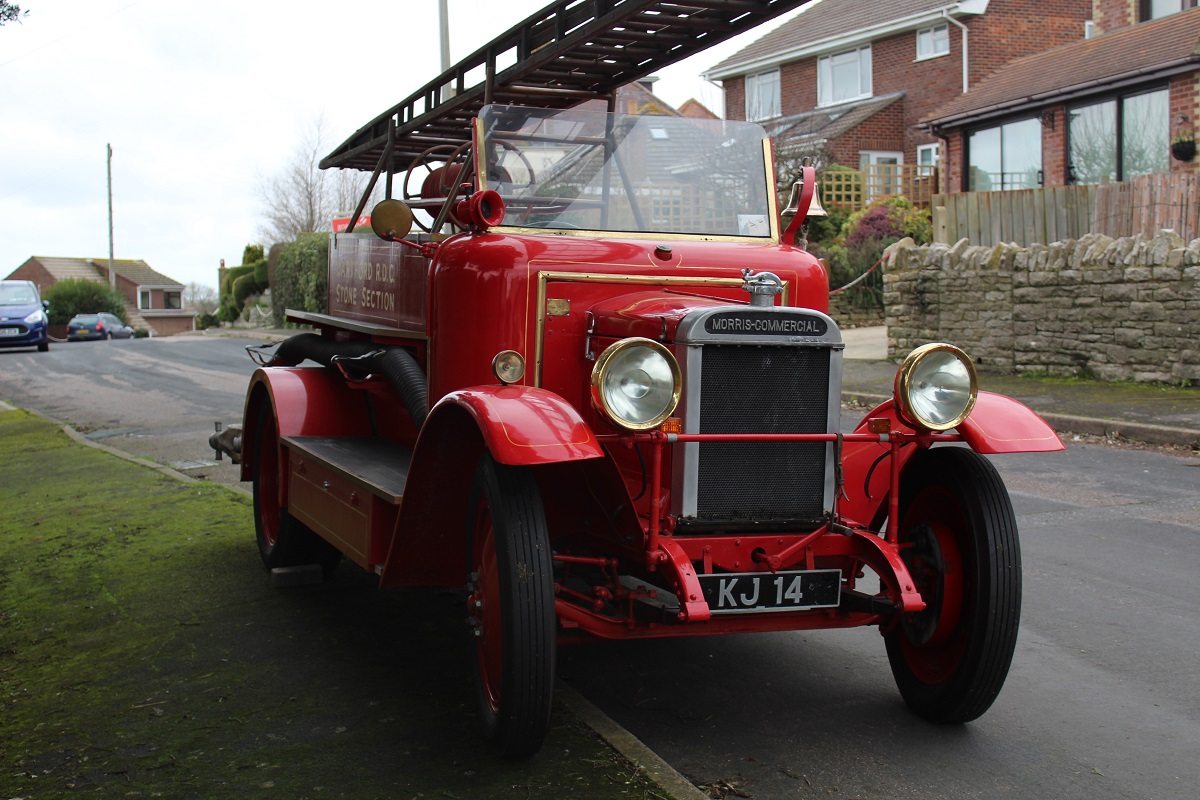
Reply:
x=1115, y=309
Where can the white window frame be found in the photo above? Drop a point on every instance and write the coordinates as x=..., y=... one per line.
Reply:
x=938, y=37
x=754, y=101
x=893, y=158
x=825, y=75
x=925, y=169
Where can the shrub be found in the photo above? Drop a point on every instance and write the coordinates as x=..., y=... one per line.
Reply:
x=231, y=275
x=80, y=296
x=141, y=333
x=207, y=320
x=244, y=287
x=861, y=241
x=252, y=254
x=301, y=281
x=260, y=274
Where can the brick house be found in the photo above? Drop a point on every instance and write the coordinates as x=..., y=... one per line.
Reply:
x=152, y=300
x=1099, y=110
x=849, y=81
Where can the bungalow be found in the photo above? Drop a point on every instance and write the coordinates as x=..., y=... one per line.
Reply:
x=152, y=300
x=1103, y=109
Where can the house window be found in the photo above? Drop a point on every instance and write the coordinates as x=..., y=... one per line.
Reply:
x=927, y=159
x=762, y=96
x=1153, y=9
x=143, y=299
x=933, y=42
x=172, y=300
x=1118, y=138
x=844, y=76
x=1007, y=156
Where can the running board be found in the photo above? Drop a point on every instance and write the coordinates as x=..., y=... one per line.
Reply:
x=347, y=490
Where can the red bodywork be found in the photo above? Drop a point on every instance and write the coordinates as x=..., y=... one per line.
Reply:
x=484, y=292
x=602, y=392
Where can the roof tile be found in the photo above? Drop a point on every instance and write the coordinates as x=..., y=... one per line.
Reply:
x=824, y=20
x=1100, y=61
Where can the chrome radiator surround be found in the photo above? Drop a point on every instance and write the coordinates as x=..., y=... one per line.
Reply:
x=726, y=486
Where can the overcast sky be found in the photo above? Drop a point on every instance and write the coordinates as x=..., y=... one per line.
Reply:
x=203, y=101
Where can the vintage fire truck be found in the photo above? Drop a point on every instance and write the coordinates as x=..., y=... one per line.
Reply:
x=598, y=390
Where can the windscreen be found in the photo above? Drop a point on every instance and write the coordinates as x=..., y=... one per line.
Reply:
x=590, y=170
x=17, y=294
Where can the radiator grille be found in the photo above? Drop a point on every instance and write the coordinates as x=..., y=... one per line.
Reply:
x=762, y=389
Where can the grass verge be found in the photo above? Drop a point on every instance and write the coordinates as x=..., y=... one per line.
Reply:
x=143, y=653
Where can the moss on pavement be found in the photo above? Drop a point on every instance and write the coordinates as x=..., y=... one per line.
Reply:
x=143, y=653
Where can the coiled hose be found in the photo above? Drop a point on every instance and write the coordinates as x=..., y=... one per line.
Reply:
x=395, y=363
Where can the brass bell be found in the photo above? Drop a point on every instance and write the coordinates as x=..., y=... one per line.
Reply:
x=815, y=209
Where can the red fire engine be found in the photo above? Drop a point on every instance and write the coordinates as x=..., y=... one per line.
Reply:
x=599, y=390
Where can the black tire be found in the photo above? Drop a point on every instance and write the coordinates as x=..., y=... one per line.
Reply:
x=43, y=347
x=282, y=540
x=511, y=601
x=959, y=540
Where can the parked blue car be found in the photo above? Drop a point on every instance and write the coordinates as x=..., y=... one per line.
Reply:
x=23, y=319
x=97, y=326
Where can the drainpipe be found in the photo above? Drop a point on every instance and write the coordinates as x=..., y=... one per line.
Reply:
x=965, y=60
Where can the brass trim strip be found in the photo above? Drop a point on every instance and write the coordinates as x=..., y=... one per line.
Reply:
x=772, y=193
x=596, y=234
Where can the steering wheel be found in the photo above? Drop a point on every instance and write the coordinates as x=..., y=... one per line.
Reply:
x=520, y=154
x=436, y=182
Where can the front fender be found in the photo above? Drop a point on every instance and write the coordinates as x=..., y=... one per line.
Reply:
x=1000, y=424
x=524, y=425
x=997, y=424
x=519, y=426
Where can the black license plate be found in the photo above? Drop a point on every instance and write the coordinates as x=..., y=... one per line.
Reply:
x=746, y=592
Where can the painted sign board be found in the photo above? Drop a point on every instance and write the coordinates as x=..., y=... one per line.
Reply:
x=376, y=281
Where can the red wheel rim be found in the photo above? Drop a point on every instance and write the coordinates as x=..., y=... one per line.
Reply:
x=934, y=556
x=485, y=610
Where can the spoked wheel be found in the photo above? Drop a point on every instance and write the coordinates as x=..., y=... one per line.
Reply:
x=958, y=538
x=511, y=605
x=282, y=540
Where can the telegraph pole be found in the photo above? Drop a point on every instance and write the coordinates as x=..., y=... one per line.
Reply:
x=112, y=276
x=444, y=20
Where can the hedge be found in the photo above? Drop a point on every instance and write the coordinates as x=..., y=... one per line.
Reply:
x=301, y=279
x=80, y=296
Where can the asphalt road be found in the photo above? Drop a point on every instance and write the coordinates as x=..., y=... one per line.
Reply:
x=1103, y=700
x=155, y=398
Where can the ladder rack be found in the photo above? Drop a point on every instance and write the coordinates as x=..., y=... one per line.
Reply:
x=569, y=52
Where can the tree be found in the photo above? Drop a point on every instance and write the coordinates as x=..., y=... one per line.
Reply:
x=199, y=298
x=303, y=198
x=10, y=12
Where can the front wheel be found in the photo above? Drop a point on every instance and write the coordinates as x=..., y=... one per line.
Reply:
x=958, y=538
x=511, y=605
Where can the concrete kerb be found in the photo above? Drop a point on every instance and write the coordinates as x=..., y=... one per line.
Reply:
x=632, y=748
x=642, y=757
x=1144, y=432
